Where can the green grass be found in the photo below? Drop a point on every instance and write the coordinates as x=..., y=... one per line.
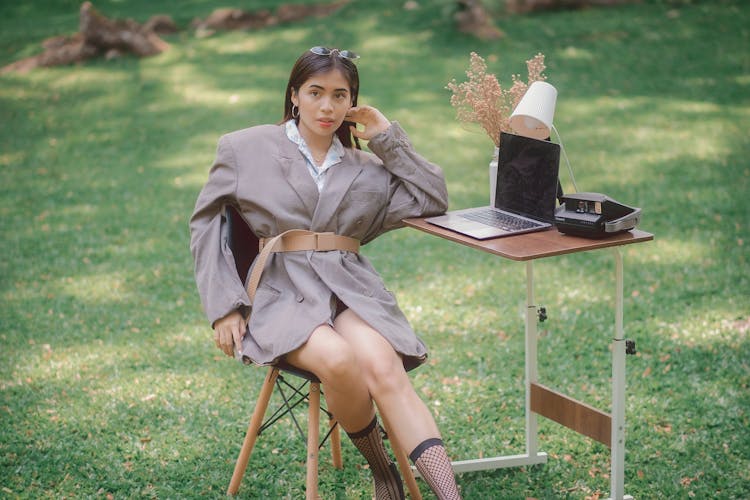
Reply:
x=110, y=383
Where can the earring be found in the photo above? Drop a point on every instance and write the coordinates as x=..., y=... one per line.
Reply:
x=295, y=111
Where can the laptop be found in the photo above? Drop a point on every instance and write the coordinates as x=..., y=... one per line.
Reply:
x=527, y=186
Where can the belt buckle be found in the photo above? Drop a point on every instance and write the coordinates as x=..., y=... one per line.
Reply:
x=324, y=241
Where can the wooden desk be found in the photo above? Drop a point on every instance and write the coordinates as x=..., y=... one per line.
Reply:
x=540, y=400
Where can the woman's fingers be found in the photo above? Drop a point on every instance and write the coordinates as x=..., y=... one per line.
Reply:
x=354, y=114
x=228, y=332
x=366, y=115
x=227, y=336
x=371, y=118
x=237, y=334
x=226, y=341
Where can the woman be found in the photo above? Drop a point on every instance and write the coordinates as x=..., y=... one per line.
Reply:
x=326, y=311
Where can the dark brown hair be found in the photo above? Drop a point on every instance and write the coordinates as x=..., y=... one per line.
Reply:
x=309, y=65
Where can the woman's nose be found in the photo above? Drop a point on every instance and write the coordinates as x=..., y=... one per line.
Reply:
x=326, y=104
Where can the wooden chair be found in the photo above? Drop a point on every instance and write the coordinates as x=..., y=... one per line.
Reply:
x=244, y=246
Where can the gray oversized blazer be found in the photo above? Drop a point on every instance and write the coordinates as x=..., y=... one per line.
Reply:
x=262, y=173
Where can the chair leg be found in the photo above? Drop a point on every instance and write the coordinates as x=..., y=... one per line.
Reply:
x=252, y=430
x=403, y=462
x=406, y=471
x=313, y=434
x=335, y=444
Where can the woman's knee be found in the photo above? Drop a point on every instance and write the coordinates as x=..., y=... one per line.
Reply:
x=381, y=365
x=339, y=364
x=327, y=355
x=385, y=375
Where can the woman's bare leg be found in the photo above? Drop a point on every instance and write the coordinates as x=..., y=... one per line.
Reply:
x=388, y=382
x=330, y=357
x=409, y=418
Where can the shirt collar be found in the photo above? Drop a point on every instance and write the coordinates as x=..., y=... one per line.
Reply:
x=335, y=152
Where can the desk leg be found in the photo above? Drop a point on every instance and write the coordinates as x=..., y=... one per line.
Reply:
x=532, y=455
x=531, y=370
x=617, y=473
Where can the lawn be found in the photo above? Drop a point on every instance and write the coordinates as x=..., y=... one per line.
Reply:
x=110, y=384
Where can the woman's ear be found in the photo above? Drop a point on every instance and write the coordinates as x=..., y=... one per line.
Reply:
x=295, y=98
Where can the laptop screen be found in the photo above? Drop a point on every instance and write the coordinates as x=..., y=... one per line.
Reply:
x=527, y=172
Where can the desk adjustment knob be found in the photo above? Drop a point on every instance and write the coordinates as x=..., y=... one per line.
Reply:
x=629, y=346
x=542, y=314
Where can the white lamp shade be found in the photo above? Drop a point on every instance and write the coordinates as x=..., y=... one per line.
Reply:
x=533, y=115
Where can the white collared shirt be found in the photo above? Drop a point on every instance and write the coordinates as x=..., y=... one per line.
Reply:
x=334, y=155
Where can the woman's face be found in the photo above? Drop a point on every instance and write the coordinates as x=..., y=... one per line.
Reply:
x=323, y=101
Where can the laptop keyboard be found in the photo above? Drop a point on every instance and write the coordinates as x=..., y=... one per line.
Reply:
x=502, y=220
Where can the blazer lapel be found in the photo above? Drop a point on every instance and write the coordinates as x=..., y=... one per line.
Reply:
x=337, y=185
x=296, y=174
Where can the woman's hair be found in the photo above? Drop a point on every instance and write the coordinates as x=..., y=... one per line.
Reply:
x=310, y=64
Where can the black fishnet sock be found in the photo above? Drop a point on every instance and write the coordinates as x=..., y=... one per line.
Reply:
x=433, y=464
x=369, y=441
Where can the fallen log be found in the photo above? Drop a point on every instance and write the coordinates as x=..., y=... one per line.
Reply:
x=526, y=6
x=473, y=19
x=99, y=36
x=237, y=19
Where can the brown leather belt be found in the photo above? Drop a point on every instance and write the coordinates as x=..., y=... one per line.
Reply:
x=296, y=240
x=308, y=240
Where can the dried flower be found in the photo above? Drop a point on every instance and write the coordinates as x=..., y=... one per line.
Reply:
x=482, y=99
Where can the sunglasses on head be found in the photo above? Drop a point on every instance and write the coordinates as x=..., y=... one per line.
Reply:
x=325, y=51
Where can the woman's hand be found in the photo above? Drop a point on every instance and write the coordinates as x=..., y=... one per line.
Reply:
x=373, y=120
x=228, y=332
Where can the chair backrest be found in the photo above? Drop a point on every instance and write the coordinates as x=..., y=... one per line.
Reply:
x=242, y=241
x=244, y=246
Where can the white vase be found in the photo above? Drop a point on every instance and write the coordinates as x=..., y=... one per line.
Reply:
x=493, y=175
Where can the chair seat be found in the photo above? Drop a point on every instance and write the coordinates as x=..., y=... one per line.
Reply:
x=283, y=365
